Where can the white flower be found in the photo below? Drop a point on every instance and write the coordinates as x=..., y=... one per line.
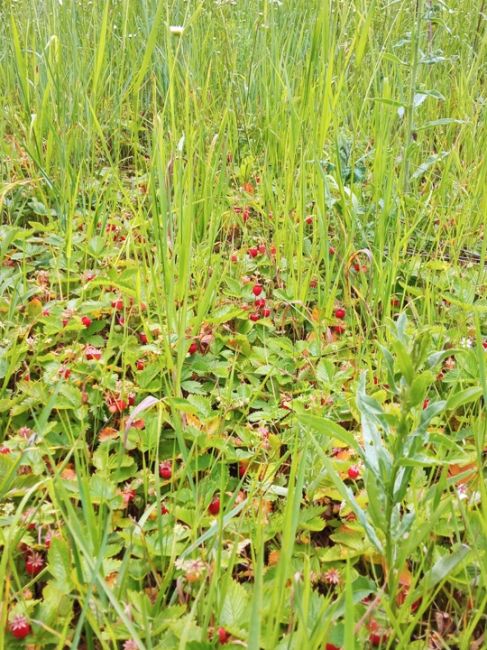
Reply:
x=176, y=29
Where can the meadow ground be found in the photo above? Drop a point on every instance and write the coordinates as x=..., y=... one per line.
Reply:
x=243, y=324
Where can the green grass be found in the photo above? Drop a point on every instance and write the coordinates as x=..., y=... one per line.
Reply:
x=145, y=148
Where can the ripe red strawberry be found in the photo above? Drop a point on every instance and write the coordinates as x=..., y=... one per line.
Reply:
x=193, y=348
x=86, y=321
x=273, y=250
x=143, y=338
x=257, y=290
x=243, y=467
x=64, y=372
x=376, y=639
x=340, y=313
x=214, y=507
x=117, y=304
x=262, y=249
x=34, y=563
x=426, y=404
x=356, y=267
x=309, y=219
x=19, y=627
x=260, y=302
x=338, y=329
x=254, y=317
x=253, y=252
x=4, y=450
x=246, y=215
x=131, y=399
x=92, y=353
x=266, y=312
x=332, y=250
x=223, y=636
x=331, y=646
x=353, y=472
x=165, y=470
x=139, y=364
x=234, y=257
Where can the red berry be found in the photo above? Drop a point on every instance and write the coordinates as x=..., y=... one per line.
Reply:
x=193, y=348
x=254, y=317
x=65, y=321
x=19, y=627
x=340, y=313
x=223, y=636
x=253, y=252
x=353, y=472
x=165, y=470
x=164, y=510
x=262, y=249
x=356, y=267
x=92, y=353
x=266, y=312
x=331, y=646
x=34, y=563
x=143, y=338
x=257, y=290
x=484, y=345
x=332, y=250
x=139, y=364
x=338, y=329
x=426, y=404
x=117, y=304
x=309, y=219
x=86, y=321
x=4, y=450
x=214, y=507
x=246, y=214
x=234, y=257
x=260, y=302
x=64, y=372
x=273, y=250
x=131, y=399
x=377, y=639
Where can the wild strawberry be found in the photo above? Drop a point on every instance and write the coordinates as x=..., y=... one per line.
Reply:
x=426, y=404
x=484, y=345
x=353, y=472
x=117, y=304
x=260, y=302
x=254, y=317
x=139, y=364
x=262, y=249
x=128, y=495
x=86, y=321
x=193, y=348
x=340, y=313
x=266, y=312
x=331, y=646
x=356, y=267
x=64, y=372
x=332, y=250
x=313, y=283
x=223, y=636
x=376, y=639
x=338, y=329
x=309, y=219
x=4, y=450
x=143, y=338
x=395, y=302
x=165, y=470
x=214, y=507
x=257, y=290
x=164, y=510
x=34, y=563
x=246, y=215
x=138, y=424
x=273, y=250
x=92, y=353
x=234, y=257
x=65, y=321
x=253, y=252
x=243, y=467
x=19, y=627
x=131, y=399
